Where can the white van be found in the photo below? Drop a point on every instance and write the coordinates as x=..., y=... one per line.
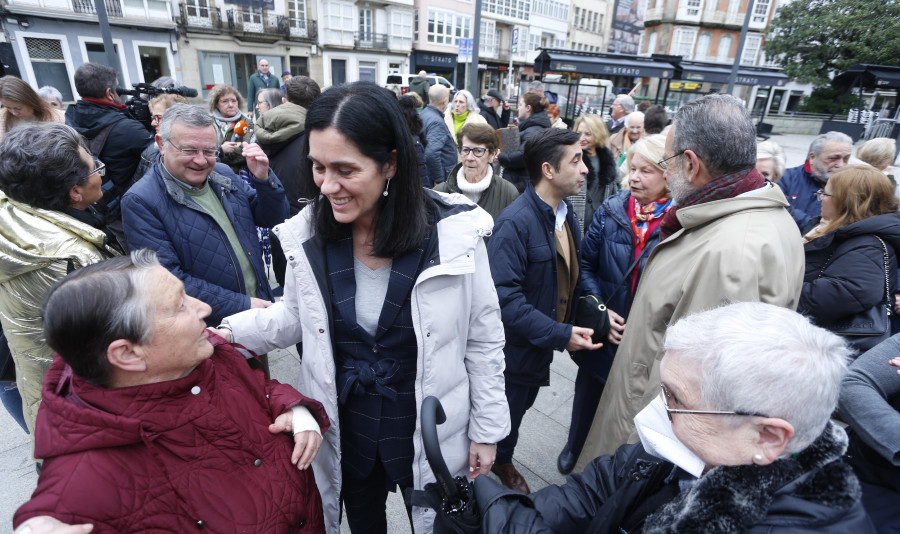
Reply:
x=401, y=82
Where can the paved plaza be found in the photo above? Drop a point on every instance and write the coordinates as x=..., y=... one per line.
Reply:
x=542, y=436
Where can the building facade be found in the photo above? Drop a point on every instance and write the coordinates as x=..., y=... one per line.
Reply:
x=49, y=39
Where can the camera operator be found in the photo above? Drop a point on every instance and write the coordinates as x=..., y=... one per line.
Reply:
x=112, y=136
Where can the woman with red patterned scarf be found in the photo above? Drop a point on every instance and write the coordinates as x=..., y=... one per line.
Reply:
x=615, y=248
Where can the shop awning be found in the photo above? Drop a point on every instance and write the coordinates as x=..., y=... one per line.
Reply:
x=597, y=64
x=871, y=76
x=715, y=73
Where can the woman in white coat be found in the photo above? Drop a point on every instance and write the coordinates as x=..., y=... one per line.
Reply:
x=389, y=289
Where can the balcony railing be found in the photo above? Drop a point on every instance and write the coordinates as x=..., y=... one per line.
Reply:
x=371, y=41
x=725, y=18
x=113, y=7
x=254, y=22
x=655, y=13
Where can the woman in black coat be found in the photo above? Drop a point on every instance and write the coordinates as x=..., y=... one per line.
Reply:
x=533, y=117
x=601, y=180
x=624, y=229
x=845, y=265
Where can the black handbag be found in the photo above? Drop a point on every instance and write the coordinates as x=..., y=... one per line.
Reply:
x=868, y=328
x=591, y=312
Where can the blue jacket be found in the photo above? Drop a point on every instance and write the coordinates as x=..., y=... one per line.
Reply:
x=440, y=150
x=607, y=251
x=800, y=189
x=522, y=253
x=159, y=215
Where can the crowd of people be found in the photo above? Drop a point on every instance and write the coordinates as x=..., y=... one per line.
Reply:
x=729, y=316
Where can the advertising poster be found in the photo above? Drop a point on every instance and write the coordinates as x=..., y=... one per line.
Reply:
x=627, y=26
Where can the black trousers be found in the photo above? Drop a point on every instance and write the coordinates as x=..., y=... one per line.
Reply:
x=584, y=405
x=364, y=500
x=520, y=398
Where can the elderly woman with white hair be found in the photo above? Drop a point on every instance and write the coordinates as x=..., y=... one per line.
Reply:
x=770, y=160
x=880, y=153
x=461, y=111
x=738, y=440
x=624, y=138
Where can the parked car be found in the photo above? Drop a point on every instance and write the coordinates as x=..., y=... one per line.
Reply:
x=400, y=82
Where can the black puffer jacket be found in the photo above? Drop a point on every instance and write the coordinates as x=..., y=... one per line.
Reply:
x=121, y=152
x=514, y=162
x=845, y=269
x=816, y=492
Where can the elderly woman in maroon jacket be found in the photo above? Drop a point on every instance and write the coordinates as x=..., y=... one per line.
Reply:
x=152, y=424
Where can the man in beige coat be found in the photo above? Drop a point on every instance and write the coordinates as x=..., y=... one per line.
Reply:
x=730, y=239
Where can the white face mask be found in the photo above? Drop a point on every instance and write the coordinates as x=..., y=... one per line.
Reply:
x=658, y=439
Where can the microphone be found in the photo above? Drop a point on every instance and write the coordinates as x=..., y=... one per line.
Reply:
x=240, y=130
x=188, y=92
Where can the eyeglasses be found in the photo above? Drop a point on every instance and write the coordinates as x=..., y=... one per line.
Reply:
x=156, y=118
x=100, y=168
x=821, y=193
x=670, y=411
x=662, y=163
x=478, y=151
x=208, y=152
x=228, y=101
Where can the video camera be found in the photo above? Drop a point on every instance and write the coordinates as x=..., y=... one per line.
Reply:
x=138, y=108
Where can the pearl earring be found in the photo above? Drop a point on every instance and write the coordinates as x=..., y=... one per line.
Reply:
x=757, y=458
x=386, y=185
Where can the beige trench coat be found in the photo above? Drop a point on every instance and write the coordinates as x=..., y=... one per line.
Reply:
x=733, y=250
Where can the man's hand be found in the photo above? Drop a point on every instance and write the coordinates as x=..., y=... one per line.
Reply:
x=581, y=339
x=617, y=327
x=481, y=458
x=259, y=303
x=896, y=363
x=257, y=161
x=306, y=443
x=44, y=524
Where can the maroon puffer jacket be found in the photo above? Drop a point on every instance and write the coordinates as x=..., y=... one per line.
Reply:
x=178, y=456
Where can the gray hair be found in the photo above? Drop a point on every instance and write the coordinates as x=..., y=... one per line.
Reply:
x=272, y=96
x=186, y=114
x=719, y=130
x=760, y=358
x=96, y=305
x=40, y=163
x=634, y=116
x=626, y=101
x=771, y=150
x=470, y=100
x=93, y=79
x=165, y=82
x=48, y=91
x=819, y=142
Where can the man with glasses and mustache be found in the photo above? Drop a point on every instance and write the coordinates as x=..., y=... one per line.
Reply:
x=729, y=239
x=201, y=218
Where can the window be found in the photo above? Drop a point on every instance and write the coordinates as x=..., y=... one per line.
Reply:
x=365, y=25
x=297, y=17
x=725, y=43
x=197, y=12
x=692, y=7
x=440, y=27
x=401, y=29
x=651, y=42
x=368, y=71
x=518, y=9
x=683, y=42
x=341, y=24
x=489, y=40
x=751, y=49
x=760, y=11
x=416, y=26
x=49, y=65
x=734, y=6
x=338, y=71
x=594, y=26
x=703, y=43
x=251, y=17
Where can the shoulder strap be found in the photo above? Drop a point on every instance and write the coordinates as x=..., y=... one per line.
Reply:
x=96, y=144
x=627, y=273
x=887, y=284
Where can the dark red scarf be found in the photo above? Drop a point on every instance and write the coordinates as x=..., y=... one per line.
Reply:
x=726, y=186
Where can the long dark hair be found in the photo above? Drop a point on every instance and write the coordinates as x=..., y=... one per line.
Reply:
x=369, y=116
